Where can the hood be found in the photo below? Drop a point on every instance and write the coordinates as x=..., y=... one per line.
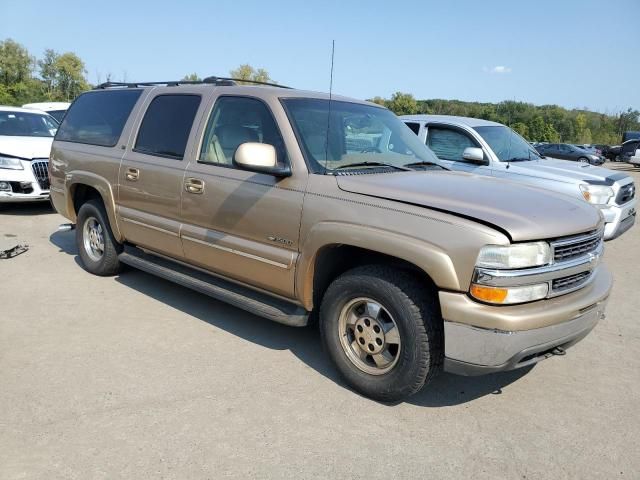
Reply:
x=26, y=147
x=565, y=171
x=525, y=213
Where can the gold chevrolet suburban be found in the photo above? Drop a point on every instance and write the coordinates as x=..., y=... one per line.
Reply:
x=301, y=207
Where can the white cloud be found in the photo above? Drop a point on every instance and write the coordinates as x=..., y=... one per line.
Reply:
x=497, y=69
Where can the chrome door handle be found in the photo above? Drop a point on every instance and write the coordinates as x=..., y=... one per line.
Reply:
x=132, y=174
x=194, y=185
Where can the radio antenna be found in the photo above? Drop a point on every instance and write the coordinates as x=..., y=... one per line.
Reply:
x=326, y=145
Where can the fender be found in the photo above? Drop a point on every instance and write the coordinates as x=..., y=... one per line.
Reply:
x=424, y=255
x=104, y=188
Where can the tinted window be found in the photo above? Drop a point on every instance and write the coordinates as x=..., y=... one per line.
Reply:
x=448, y=144
x=57, y=114
x=166, y=125
x=237, y=120
x=97, y=118
x=415, y=127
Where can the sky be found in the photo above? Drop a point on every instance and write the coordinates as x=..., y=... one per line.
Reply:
x=574, y=53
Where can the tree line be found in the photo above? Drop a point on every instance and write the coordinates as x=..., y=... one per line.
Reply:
x=537, y=123
x=62, y=77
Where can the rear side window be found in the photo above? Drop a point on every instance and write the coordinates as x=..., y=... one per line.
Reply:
x=415, y=127
x=166, y=125
x=97, y=118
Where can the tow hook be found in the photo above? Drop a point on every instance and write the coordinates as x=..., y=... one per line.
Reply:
x=558, y=351
x=65, y=227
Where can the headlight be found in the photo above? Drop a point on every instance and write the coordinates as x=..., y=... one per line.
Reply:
x=594, y=157
x=509, y=295
x=10, y=163
x=518, y=255
x=596, y=194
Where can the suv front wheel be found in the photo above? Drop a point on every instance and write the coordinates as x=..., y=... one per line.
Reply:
x=97, y=247
x=382, y=329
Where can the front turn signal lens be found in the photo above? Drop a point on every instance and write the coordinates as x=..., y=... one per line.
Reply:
x=509, y=295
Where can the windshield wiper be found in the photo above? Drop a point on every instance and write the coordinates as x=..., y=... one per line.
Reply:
x=424, y=164
x=372, y=164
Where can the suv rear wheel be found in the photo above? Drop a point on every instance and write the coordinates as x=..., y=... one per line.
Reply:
x=382, y=329
x=97, y=247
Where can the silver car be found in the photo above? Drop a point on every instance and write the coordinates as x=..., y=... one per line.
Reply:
x=489, y=148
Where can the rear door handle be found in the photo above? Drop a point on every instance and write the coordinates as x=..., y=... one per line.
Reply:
x=194, y=185
x=133, y=174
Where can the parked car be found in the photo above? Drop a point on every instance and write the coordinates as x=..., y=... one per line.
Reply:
x=25, y=143
x=566, y=151
x=496, y=150
x=240, y=193
x=634, y=159
x=628, y=150
x=612, y=153
x=55, y=109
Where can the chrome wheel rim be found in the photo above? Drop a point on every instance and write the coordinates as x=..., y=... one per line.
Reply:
x=369, y=336
x=93, y=239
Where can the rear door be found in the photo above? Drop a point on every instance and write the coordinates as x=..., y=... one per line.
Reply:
x=151, y=173
x=449, y=142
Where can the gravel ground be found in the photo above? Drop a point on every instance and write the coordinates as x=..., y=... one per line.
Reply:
x=134, y=377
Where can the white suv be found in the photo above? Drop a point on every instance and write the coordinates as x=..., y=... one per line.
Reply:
x=55, y=109
x=25, y=144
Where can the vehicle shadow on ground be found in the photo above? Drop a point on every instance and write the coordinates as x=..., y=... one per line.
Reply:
x=621, y=167
x=304, y=343
x=25, y=209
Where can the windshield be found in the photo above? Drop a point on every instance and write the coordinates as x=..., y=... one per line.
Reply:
x=507, y=144
x=360, y=136
x=22, y=124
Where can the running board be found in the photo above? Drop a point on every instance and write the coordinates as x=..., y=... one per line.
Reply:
x=245, y=298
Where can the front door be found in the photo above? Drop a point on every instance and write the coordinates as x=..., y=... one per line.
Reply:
x=242, y=225
x=152, y=171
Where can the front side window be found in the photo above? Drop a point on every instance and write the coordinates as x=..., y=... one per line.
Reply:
x=238, y=120
x=98, y=117
x=507, y=145
x=353, y=135
x=23, y=124
x=166, y=125
x=448, y=144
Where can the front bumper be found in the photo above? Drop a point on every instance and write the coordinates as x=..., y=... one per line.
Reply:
x=25, y=185
x=483, y=339
x=618, y=219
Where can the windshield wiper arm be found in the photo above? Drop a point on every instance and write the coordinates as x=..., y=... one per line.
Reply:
x=424, y=164
x=373, y=164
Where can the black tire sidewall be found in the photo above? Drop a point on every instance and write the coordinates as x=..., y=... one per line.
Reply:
x=108, y=264
x=409, y=374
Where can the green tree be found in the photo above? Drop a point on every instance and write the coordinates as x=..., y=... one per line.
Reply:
x=247, y=72
x=402, y=104
x=521, y=128
x=48, y=70
x=192, y=77
x=70, y=76
x=16, y=64
x=379, y=101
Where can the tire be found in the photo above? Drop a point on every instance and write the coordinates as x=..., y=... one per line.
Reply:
x=101, y=256
x=583, y=160
x=405, y=304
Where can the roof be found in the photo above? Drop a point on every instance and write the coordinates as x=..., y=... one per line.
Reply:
x=467, y=121
x=46, y=106
x=7, y=108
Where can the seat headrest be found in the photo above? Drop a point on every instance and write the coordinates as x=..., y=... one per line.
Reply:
x=231, y=136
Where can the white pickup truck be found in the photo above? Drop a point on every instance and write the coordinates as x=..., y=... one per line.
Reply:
x=489, y=148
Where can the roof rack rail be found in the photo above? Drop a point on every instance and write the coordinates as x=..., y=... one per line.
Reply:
x=218, y=81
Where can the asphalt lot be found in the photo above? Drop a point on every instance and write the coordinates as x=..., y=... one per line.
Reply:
x=135, y=377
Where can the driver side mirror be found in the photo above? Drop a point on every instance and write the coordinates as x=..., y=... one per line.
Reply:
x=474, y=155
x=260, y=158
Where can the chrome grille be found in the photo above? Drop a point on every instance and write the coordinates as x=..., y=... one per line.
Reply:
x=40, y=170
x=574, y=247
x=572, y=282
x=627, y=192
